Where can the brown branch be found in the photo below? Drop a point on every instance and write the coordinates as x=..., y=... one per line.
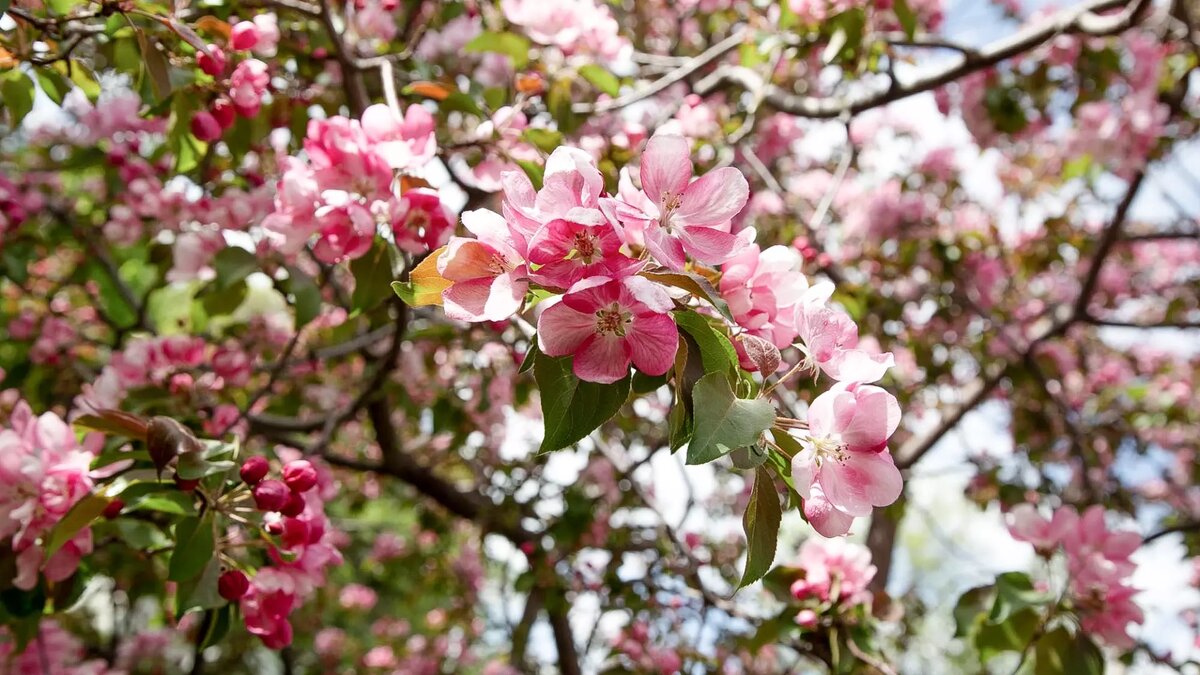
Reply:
x=1183, y=527
x=1107, y=240
x=564, y=640
x=1080, y=20
x=1184, y=325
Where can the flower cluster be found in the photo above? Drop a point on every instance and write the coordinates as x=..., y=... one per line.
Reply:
x=1098, y=563
x=167, y=362
x=573, y=238
x=835, y=571
x=294, y=515
x=43, y=473
x=344, y=190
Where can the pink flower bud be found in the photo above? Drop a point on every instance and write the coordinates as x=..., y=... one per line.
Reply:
x=205, y=127
x=113, y=509
x=806, y=618
x=243, y=36
x=254, y=469
x=300, y=475
x=213, y=62
x=232, y=585
x=270, y=495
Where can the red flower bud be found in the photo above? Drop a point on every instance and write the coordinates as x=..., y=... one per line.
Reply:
x=295, y=505
x=232, y=585
x=270, y=495
x=213, y=62
x=300, y=475
x=186, y=484
x=275, y=527
x=223, y=112
x=205, y=127
x=113, y=509
x=254, y=469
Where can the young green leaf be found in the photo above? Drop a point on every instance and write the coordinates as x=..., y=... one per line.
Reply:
x=724, y=421
x=81, y=515
x=761, y=523
x=601, y=78
x=193, y=548
x=572, y=408
x=515, y=47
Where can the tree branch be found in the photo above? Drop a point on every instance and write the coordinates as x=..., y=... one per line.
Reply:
x=1080, y=19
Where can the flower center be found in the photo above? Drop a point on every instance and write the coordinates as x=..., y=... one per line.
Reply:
x=612, y=320
x=827, y=447
x=586, y=247
x=670, y=202
x=500, y=265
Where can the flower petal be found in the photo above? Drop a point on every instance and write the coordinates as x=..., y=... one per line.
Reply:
x=603, y=359
x=710, y=245
x=561, y=330
x=716, y=197
x=860, y=481
x=652, y=341
x=666, y=167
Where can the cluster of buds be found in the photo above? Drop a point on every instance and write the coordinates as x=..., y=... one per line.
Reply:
x=281, y=496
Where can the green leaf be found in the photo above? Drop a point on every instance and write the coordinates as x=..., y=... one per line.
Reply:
x=572, y=408
x=202, y=593
x=601, y=78
x=515, y=47
x=1013, y=634
x=193, y=548
x=16, y=93
x=545, y=140
x=233, y=264
x=81, y=515
x=716, y=351
x=761, y=523
x=1015, y=592
x=53, y=84
x=724, y=421
x=372, y=277
x=1060, y=653
x=530, y=357
x=139, y=534
x=534, y=170
x=306, y=296
x=749, y=457
x=696, y=285
x=1077, y=167
x=908, y=20
x=173, y=502
x=560, y=100
x=193, y=465
x=970, y=608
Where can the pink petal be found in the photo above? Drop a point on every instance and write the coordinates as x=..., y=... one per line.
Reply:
x=666, y=249
x=561, y=330
x=379, y=122
x=653, y=295
x=710, y=245
x=603, y=359
x=652, y=341
x=714, y=198
x=592, y=293
x=825, y=519
x=856, y=365
x=875, y=417
x=804, y=473
x=862, y=480
x=666, y=167
x=466, y=300
x=489, y=226
x=505, y=297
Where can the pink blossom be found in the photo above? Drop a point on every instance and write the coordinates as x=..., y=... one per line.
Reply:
x=357, y=597
x=1114, y=609
x=265, y=608
x=606, y=324
x=831, y=340
x=845, y=451
x=1025, y=524
x=762, y=288
x=347, y=230
x=585, y=245
x=421, y=222
x=247, y=85
x=679, y=216
x=43, y=473
x=404, y=142
x=573, y=26
x=267, y=25
x=489, y=274
x=836, y=564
